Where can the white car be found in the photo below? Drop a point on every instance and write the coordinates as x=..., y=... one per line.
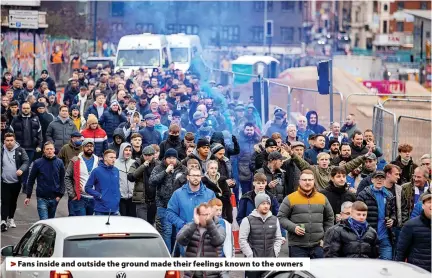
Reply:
x=354, y=268
x=88, y=237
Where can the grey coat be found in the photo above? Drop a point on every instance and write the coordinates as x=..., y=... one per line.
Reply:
x=60, y=132
x=207, y=245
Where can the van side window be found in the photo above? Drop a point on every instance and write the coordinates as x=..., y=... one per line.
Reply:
x=165, y=58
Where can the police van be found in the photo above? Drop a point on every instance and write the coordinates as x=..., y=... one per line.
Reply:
x=184, y=48
x=146, y=51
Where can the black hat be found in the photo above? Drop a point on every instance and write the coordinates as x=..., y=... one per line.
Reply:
x=44, y=72
x=275, y=156
x=76, y=134
x=378, y=174
x=184, y=98
x=171, y=153
x=40, y=105
x=202, y=142
x=176, y=113
x=155, y=70
x=333, y=141
x=174, y=87
x=271, y=143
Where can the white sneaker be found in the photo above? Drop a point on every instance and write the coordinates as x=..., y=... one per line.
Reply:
x=11, y=223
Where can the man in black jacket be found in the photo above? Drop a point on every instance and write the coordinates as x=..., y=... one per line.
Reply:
x=14, y=163
x=173, y=142
x=414, y=243
x=353, y=237
x=381, y=212
x=149, y=134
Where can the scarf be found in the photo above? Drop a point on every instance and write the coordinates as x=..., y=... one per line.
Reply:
x=359, y=228
x=405, y=161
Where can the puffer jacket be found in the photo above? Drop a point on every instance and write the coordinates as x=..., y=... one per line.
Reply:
x=314, y=211
x=140, y=174
x=60, y=132
x=165, y=183
x=99, y=137
x=244, y=158
x=280, y=190
x=247, y=204
x=342, y=241
x=322, y=176
x=368, y=197
x=414, y=242
x=110, y=120
x=176, y=145
x=124, y=167
x=407, y=170
x=207, y=245
x=337, y=196
x=28, y=136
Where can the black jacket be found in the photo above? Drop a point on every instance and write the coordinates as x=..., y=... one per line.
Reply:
x=177, y=145
x=414, y=242
x=45, y=119
x=407, y=170
x=337, y=196
x=223, y=193
x=280, y=191
x=49, y=80
x=28, y=131
x=369, y=199
x=218, y=137
x=341, y=241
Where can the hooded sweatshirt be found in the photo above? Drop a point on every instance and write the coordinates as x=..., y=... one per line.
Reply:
x=113, y=145
x=318, y=129
x=124, y=165
x=9, y=168
x=203, y=163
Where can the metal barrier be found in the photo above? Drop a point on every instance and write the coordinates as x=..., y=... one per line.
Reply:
x=347, y=100
x=420, y=108
x=416, y=131
x=384, y=129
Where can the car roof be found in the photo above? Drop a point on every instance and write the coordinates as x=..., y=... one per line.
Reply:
x=91, y=225
x=371, y=268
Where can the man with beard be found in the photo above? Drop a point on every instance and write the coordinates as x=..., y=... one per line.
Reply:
x=71, y=92
x=46, y=78
x=143, y=194
x=28, y=91
x=83, y=164
x=173, y=142
x=334, y=149
x=344, y=155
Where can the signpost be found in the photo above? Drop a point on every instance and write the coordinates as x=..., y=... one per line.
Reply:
x=22, y=19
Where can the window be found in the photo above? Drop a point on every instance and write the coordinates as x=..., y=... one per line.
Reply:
x=117, y=8
x=423, y=5
x=300, y=5
x=225, y=33
x=259, y=6
x=287, y=34
x=144, y=27
x=400, y=5
x=300, y=30
x=24, y=247
x=399, y=26
x=182, y=28
x=257, y=33
x=172, y=29
x=288, y=5
x=385, y=26
x=428, y=35
x=44, y=247
x=116, y=27
x=385, y=7
x=138, y=58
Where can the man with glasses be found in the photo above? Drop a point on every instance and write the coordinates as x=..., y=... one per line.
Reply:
x=185, y=199
x=83, y=164
x=306, y=214
x=49, y=173
x=28, y=134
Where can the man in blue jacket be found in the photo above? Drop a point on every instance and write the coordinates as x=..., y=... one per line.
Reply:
x=184, y=200
x=104, y=185
x=49, y=172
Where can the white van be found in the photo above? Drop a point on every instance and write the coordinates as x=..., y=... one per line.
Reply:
x=183, y=49
x=146, y=51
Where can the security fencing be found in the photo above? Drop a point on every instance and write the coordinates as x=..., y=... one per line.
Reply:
x=384, y=128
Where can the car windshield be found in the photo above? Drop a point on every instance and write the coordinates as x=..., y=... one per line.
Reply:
x=138, y=58
x=179, y=54
x=92, y=64
x=133, y=247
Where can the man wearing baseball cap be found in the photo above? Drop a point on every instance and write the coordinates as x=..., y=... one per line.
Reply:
x=262, y=158
x=276, y=183
x=414, y=245
x=81, y=203
x=71, y=149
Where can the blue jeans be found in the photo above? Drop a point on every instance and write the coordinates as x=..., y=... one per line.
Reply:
x=166, y=226
x=46, y=208
x=106, y=213
x=82, y=207
x=315, y=252
x=385, y=249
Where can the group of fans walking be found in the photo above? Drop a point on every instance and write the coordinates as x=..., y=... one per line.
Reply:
x=167, y=148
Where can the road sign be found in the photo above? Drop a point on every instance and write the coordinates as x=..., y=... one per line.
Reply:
x=23, y=19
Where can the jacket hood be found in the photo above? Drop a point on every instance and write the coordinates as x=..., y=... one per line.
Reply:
x=195, y=153
x=264, y=218
x=122, y=147
x=308, y=115
x=119, y=132
x=217, y=137
x=13, y=149
x=132, y=116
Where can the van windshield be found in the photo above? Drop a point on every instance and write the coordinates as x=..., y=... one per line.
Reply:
x=180, y=54
x=138, y=58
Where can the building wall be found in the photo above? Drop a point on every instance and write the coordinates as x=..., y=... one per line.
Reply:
x=408, y=5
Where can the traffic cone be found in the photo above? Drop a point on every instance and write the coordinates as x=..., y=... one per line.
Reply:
x=235, y=225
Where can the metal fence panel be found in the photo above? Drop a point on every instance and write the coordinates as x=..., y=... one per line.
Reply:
x=384, y=129
x=417, y=132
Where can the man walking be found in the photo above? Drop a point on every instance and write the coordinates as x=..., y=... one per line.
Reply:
x=104, y=185
x=49, y=172
x=14, y=163
x=123, y=164
x=307, y=215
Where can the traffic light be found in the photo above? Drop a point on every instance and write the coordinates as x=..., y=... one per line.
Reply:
x=323, y=82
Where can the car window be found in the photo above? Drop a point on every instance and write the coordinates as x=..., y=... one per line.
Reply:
x=44, y=244
x=24, y=246
x=133, y=247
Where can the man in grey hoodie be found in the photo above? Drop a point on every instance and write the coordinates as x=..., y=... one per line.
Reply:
x=124, y=163
x=202, y=153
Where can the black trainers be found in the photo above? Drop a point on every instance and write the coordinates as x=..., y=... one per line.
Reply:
x=3, y=226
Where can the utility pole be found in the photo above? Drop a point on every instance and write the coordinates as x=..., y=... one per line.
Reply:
x=264, y=25
x=95, y=28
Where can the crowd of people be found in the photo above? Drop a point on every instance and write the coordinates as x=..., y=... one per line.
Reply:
x=179, y=152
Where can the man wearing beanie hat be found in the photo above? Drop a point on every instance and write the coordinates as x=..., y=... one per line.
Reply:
x=256, y=242
x=202, y=153
x=262, y=157
x=198, y=119
x=95, y=132
x=111, y=119
x=333, y=147
x=276, y=182
x=165, y=178
x=81, y=203
x=46, y=78
x=76, y=117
